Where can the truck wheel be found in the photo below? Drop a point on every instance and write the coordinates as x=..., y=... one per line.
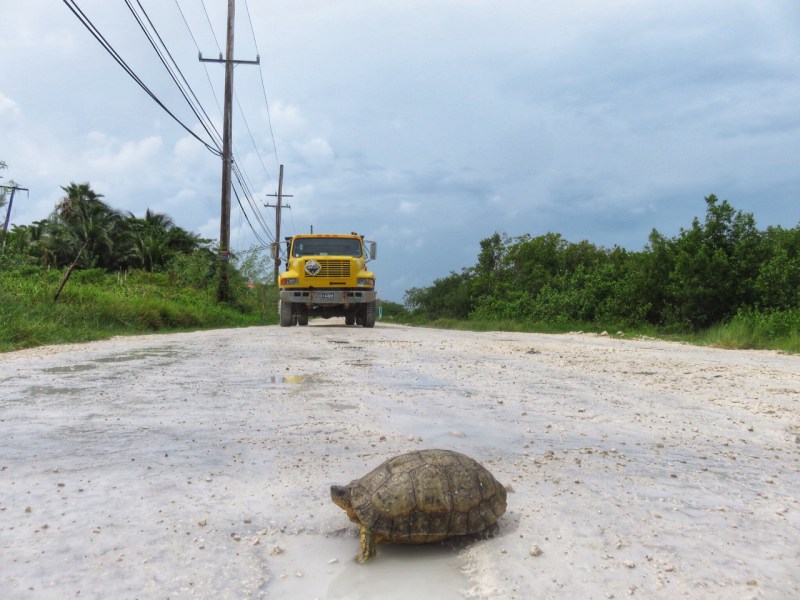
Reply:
x=370, y=313
x=287, y=319
x=350, y=319
x=302, y=319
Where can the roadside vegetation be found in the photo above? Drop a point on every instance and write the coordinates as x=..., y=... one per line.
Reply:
x=721, y=282
x=89, y=272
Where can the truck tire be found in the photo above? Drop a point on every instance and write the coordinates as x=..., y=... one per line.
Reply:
x=350, y=319
x=302, y=319
x=287, y=319
x=370, y=312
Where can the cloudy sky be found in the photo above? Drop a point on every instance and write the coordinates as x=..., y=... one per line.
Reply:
x=425, y=125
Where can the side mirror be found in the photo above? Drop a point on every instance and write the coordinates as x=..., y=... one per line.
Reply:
x=373, y=250
x=275, y=251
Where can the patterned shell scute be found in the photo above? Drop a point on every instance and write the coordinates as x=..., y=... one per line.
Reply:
x=428, y=496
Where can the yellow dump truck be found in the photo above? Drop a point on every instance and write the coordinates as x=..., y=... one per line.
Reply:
x=326, y=275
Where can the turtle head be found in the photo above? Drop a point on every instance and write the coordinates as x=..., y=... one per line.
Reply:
x=340, y=494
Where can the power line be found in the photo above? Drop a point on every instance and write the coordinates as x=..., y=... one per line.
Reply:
x=213, y=33
x=173, y=69
x=189, y=95
x=184, y=83
x=241, y=176
x=263, y=85
x=86, y=22
x=165, y=56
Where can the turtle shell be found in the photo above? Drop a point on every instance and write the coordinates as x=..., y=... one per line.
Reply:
x=428, y=496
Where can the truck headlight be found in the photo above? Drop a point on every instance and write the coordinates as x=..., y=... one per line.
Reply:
x=365, y=282
x=290, y=280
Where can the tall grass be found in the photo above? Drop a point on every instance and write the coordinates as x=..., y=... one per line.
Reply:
x=766, y=330
x=771, y=330
x=96, y=305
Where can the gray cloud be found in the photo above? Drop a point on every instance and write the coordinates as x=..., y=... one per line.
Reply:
x=427, y=126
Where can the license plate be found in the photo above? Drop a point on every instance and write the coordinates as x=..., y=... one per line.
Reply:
x=326, y=295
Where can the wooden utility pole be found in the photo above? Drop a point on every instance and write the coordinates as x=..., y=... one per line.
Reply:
x=277, y=208
x=223, y=292
x=13, y=189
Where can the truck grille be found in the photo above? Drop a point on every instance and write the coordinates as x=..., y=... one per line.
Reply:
x=332, y=268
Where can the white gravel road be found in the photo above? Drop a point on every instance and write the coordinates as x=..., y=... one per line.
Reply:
x=199, y=465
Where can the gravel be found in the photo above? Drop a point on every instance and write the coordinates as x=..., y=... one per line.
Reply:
x=199, y=465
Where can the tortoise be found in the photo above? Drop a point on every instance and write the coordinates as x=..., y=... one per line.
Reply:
x=420, y=497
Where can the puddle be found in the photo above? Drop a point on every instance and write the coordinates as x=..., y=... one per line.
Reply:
x=143, y=354
x=337, y=406
x=323, y=566
x=303, y=379
x=36, y=391
x=70, y=369
x=359, y=363
x=400, y=572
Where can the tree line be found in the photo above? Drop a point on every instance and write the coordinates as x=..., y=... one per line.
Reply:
x=707, y=274
x=85, y=232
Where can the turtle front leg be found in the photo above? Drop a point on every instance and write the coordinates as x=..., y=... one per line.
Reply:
x=367, y=545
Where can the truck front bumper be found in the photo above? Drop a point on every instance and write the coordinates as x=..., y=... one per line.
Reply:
x=316, y=296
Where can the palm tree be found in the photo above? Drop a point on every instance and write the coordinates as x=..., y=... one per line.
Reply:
x=150, y=239
x=157, y=240
x=91, y=226
x=87, y=225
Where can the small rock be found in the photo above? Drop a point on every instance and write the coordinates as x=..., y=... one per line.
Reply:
x=629, y=564
x=202, y=522
x=275, y=550
x=333, y=561
x=535, y=550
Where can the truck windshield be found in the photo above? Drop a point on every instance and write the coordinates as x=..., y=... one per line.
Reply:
x=326, y=247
